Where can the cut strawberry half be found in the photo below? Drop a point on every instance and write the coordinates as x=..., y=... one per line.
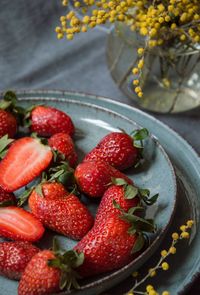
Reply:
x=25, y=160
x=18, y=224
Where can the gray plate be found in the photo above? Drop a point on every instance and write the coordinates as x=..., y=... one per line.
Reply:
x=188, y=172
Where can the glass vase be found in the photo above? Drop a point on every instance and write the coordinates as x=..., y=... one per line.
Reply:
x=170, y=78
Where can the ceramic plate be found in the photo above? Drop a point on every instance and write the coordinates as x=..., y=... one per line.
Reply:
x=185, y=265
x=157, y=174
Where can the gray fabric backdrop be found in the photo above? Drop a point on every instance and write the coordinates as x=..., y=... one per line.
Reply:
x=32, y=57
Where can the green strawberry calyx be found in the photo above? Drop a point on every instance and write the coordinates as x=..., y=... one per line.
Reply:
x=138, y=224
x=7, y=203
x=131, y=191
x=138, y=137
x=60, y=172
x=67, y=262
x=27, y=115
x=9, y=100
x=9, y=103
x=4, y=144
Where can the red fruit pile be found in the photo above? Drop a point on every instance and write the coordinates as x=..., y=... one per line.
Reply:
x=108, y=242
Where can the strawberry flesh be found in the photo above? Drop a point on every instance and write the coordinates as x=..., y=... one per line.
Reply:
x=18, y=224
x=24, y=161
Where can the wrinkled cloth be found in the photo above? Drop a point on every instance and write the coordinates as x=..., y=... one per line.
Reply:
x=32, y=57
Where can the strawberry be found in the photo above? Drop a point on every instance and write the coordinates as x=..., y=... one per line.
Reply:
x=14, y=257
x=46, y=121
x=38, y=277
x=106, y=247
x=20, y=225
x=94, y=177
x=63, y=143
x=25, y=160
x=116, y=237
x=49, y=272
x=8, y=124
x=118, y=149
x=9, y=113
x=60, y=211
x=6, y=198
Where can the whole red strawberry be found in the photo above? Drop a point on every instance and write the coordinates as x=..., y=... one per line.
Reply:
x=63, y=143
x=60, y=211
x=9, y=113
x=8, y=124
x=6, y=198
x=116, y=236
x=46, y=121
x=94, y=177
x=25, y=160
x=20, y=225
x=118, y=149
x=106, y=247
x=39, y=278
x=14, y=257
x=49, y=272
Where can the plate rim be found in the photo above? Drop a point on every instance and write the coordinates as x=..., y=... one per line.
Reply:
x=110, y=100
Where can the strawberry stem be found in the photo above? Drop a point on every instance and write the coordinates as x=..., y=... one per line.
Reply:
x=9, y=100
x=7, y=203
x=61, y=173
x=4, y=143
x=9, y=103
x=25, y=195
x=139, y=135
x=27, y=114
x=67, y=262
x=138, y=225
x=131, y=191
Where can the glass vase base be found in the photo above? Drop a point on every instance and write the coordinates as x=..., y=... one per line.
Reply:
x=164, y=100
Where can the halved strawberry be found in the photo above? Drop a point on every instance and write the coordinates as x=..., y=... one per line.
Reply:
x=25, y=160
x=20, y=225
